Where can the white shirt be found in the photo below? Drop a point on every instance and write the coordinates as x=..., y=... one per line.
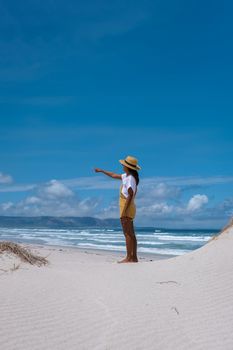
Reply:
x=127, y=182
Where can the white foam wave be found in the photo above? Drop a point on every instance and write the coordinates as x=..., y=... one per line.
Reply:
x=100, y=246
x=183, y=238
x=108, y=241
x=151, y=243
x=163, y=251
x=145, y=235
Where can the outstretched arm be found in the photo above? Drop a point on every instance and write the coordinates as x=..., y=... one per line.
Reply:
x=108, y=173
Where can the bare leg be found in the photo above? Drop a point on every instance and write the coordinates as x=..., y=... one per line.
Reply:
x=131, y=241
x=124, y=225
x=134, y=241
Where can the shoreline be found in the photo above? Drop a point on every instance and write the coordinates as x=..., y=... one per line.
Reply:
x=153, y=251
x=117, y=254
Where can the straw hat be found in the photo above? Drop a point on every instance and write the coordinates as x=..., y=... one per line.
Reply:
x=130, y=162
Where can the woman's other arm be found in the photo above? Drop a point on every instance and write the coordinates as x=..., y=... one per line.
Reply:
x=127, y=203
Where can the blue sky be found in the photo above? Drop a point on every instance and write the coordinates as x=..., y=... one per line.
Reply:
x=85, y=83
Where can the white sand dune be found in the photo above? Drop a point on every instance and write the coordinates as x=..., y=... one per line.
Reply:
x=88, y=301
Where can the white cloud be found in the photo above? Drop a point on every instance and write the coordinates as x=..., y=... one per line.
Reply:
x=110, y=211
x=196, y=202
x=17, y=188
x=56, y=189
x=6, y=206
x=53, y=199
x=156, y=209
x=5, y=179
x=162, y=191
x=32, y=200
x=92, y=183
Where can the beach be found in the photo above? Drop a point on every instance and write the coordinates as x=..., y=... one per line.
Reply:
x=85, y=300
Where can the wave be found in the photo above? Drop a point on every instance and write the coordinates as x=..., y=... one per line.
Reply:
x=101, y=246
x=140, y=249
x=149, y=240
x=163, y=251
x=183, y=238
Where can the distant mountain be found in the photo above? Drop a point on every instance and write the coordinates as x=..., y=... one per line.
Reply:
x=56, y=222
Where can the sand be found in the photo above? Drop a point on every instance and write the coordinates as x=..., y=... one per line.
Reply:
x=85, y=300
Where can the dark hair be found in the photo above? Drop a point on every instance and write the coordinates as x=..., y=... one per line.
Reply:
x=134, y=173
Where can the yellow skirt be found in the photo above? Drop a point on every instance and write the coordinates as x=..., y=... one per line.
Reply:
x=131, y=211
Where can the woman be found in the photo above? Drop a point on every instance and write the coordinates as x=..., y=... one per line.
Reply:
x=128, y=190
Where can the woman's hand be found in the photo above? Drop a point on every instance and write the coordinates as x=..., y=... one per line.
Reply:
x=98, y=170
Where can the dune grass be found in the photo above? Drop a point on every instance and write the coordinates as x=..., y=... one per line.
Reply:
x=24, y=254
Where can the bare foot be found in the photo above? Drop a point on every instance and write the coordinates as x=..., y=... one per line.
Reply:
x=125, y=260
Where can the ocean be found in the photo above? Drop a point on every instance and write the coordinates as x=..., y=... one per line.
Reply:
x=150, y=240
